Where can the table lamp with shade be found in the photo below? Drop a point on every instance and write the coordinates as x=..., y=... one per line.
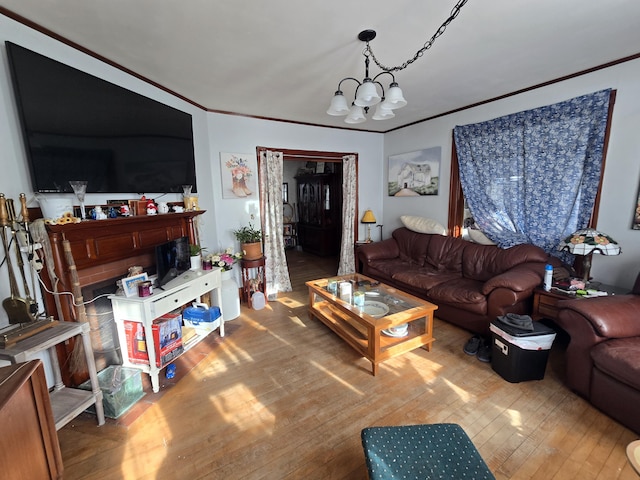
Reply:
x=586, y=242
x=368, y=218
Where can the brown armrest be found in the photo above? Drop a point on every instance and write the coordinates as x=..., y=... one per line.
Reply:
x=615, y=316
x=521, y=278
x=375, y=251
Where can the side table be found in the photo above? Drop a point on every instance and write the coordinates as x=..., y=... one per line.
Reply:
x=545, y=304
x=66, y=403
x=356, y=246
x=253, y=281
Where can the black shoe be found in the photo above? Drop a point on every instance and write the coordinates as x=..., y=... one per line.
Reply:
x=472, y=346
x=484, y=352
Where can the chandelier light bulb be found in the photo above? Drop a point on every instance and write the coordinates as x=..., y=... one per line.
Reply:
x=367, y=94
x=338, y=105
x=356, y=115
x=383, y=113
x=394, y=98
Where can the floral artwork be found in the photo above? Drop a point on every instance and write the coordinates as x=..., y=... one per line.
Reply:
x=225, y=260
x=415, y=173
x=239, y=175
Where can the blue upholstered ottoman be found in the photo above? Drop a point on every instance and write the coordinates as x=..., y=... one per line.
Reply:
x=442, y=451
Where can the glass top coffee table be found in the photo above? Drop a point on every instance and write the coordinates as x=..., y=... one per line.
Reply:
x=376, y=320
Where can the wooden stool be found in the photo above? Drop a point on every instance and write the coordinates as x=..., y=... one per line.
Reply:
x=256, y=283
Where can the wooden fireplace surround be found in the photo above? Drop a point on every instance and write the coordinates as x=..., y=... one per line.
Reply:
x=104, y=250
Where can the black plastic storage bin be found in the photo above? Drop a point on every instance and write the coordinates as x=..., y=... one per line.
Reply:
x=519, y=355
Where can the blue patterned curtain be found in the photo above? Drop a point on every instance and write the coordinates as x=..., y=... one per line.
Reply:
x=532, y=177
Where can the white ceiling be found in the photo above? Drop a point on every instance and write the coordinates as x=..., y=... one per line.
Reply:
x=283, y=59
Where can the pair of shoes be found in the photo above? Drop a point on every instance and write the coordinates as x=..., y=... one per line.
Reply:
x=472, y=345
x=484, y=352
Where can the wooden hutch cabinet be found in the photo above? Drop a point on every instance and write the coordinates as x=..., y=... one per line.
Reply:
x=319, y=213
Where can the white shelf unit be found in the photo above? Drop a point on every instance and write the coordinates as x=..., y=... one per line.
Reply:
x=66, y=402
x=178, y=292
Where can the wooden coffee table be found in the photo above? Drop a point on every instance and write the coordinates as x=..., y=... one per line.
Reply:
x=362, y=326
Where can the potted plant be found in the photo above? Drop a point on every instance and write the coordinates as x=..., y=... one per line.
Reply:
x=195, y=252
x=250, y=242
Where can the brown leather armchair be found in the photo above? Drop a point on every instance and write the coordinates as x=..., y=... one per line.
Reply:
x=603, y=355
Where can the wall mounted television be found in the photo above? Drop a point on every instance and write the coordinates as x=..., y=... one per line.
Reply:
x=79, y=127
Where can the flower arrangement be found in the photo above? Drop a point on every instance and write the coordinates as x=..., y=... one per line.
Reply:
x=238, y=167
x=225, y=260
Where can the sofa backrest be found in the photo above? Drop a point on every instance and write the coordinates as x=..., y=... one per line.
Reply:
x=482, y=262
x=455, y=255
x=445, y=253
x=412, y=245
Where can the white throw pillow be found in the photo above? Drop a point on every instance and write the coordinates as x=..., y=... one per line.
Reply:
x=422, y=225
x=477, y=236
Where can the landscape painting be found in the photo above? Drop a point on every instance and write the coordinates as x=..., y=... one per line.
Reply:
x=415, y=173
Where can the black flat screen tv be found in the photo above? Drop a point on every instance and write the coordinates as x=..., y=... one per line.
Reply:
x=79, y=127
x=172, y=259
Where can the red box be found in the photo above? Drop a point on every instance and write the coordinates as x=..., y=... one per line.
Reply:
x=136, y=342
x=167, y=337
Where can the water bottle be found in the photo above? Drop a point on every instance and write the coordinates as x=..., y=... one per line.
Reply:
x=548, y=277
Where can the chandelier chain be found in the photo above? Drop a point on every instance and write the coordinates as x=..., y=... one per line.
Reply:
x=454, y=13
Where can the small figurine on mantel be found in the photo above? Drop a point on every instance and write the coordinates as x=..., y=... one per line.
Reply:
x=151, y=208
x=124, y=210
x=98, y=214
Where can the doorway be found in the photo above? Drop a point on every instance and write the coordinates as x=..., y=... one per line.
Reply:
x=312, y=202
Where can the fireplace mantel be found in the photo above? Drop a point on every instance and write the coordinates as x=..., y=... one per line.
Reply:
x=105, y=249
x=102, y=251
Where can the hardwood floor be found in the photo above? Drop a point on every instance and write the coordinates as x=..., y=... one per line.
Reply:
x=282, y=397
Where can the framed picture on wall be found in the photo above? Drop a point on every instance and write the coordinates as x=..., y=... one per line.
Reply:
x=415, y=173
x=239, y=174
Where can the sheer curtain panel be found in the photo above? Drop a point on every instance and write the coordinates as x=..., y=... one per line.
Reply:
x=349, y=190
x=277, y=271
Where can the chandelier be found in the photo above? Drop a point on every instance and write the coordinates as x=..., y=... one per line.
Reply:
x=370, y=91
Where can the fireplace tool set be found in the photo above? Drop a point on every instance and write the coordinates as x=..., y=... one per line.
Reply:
x=21, y=309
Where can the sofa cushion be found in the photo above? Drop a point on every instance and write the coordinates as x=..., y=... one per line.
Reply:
x=422, y=225
x=390, y=267
x=464, y=293
x=620, y=359
x=423, y=278
x=445, y=253
x=412, y=245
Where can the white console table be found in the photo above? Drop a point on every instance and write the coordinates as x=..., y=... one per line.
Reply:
x=66, y=402
x=178, y=292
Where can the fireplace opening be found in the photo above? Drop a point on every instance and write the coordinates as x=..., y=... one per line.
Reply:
x=103, y=332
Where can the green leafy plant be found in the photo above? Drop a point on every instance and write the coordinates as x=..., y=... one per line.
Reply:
x=195, y=250
x=248, y=234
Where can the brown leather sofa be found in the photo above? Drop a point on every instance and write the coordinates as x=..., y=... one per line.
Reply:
x=472, y=284
x=603, y=355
